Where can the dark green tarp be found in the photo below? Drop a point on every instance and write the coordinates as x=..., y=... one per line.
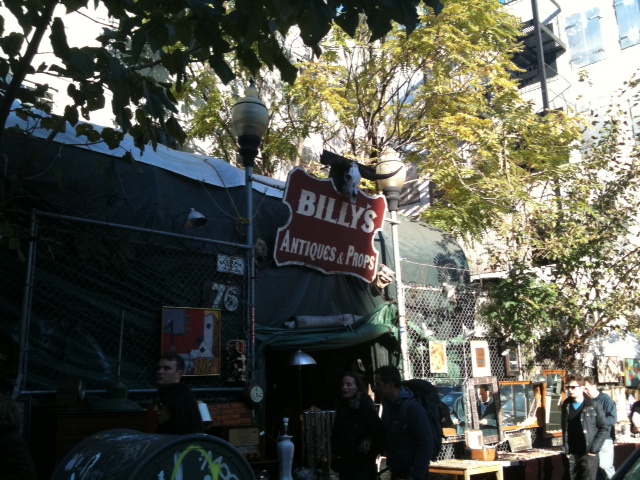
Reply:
x=72, y=181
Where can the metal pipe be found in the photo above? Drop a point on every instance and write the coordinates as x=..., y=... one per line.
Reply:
x=120, y=342
x=27, y=296
x=140, y=390
x=249, y=145
x=141, y=229
x=251, y=272
x=402, y=319
x=540, y=56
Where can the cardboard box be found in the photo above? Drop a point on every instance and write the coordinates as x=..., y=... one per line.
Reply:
x=244, y=436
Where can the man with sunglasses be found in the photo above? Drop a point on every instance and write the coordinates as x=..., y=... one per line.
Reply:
x=584, y=430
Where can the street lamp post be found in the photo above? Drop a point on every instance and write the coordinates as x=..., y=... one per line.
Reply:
x=249, y=119
x=390, y=162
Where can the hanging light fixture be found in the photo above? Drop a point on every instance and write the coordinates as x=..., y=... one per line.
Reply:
x=300, y=358
x=195, y=219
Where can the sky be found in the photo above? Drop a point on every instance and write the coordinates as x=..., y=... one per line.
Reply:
x=82, y=28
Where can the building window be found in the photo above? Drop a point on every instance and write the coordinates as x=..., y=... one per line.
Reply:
x=628, y=14
x=585, y=38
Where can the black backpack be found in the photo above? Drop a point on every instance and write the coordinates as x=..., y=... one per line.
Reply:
x=427, y=395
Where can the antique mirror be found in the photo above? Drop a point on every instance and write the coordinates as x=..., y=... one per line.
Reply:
x=457, y=402
x=519, y=402
x=486, y=411
x=552, y=400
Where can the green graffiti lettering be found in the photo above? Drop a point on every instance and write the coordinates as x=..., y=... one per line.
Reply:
x=214, y=468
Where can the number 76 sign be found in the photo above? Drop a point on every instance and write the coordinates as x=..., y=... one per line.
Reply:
x=222, y=296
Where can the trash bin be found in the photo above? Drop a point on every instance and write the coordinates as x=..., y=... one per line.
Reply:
x=123, y=454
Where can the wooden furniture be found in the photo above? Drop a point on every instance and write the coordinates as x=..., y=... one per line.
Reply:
x=55, y=432
x=466, y=468
x=549, y=465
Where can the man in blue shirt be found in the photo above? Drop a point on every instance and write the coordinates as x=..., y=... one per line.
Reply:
x=606, y=469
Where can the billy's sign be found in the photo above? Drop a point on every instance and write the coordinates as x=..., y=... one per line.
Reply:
x=327, y=232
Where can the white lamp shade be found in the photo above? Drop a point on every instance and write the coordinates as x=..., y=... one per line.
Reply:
x=249, y=115
x=300, y=358
x=389, y=162
x=195, y=219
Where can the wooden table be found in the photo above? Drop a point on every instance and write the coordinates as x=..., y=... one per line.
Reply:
x=466, y=468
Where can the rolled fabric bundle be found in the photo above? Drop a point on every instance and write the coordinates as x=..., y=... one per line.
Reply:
x=311, y=321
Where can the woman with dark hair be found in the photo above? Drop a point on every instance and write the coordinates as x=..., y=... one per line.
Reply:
x=177, y=410
x=15, y=460
x=357, y=436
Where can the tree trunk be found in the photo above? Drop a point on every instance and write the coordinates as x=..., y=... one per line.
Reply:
x=21, y=72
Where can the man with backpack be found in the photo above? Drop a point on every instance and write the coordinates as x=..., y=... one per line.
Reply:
x=409, y=432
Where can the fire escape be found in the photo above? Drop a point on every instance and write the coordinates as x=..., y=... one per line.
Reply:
x=542, y=48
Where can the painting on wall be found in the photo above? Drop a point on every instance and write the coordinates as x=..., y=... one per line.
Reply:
x=480, y=362
x=194, y=334
x=608, y=369
x=631, y=372
x=438, y=357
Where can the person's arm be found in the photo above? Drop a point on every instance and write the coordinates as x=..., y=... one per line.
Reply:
x=603, y=430
x=457, y=412
x=563, y=423
x=337, y=432
x=374, y=429
x=421, y=431
x=610, y=410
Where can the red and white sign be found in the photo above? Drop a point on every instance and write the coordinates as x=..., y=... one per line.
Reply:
x=325, y=231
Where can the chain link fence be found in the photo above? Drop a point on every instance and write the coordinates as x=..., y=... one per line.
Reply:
x=446, y=314
x=93, y=302
x=447, y=317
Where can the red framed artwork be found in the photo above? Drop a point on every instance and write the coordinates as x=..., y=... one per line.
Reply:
x=194, y=334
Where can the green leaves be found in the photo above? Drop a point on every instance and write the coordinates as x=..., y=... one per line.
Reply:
x=153, y=46
x=12, y=44
x=521, y=307
x=58, y=39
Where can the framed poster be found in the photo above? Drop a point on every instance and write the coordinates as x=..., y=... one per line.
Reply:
x=194, y=334
x=438, y=357
x=480, y=363
x=631, y=372
x=608, y=369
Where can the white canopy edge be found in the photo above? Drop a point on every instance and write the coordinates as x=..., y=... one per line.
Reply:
x=202, y=168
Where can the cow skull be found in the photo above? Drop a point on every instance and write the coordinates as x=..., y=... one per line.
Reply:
x=346, y=174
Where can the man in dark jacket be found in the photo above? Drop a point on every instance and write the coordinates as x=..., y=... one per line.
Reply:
x=408, y=429
x=605, y=456
x=584, y=430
